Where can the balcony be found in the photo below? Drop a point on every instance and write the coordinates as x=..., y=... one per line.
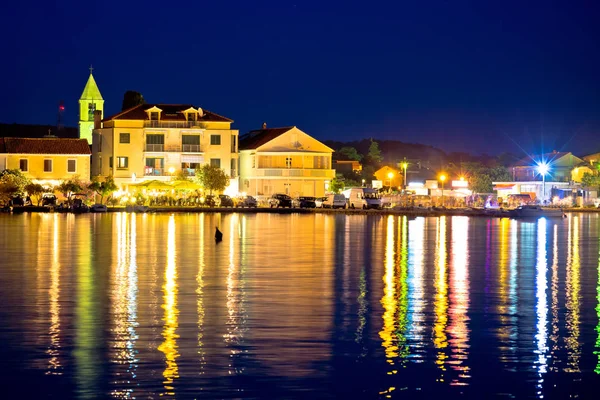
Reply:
x=149, y=171
x=294, y=173
x=191, y=148
x=175, y=124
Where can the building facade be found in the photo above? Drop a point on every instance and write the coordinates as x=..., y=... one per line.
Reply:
x=47, y=161
x=155, y=141
x=90, y=102
x=284, y=160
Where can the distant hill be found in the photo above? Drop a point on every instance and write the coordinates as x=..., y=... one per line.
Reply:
x=394, y=151
x=36, y=131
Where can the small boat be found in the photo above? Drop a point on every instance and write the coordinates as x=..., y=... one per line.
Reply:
x=98, y=208
x=535, y=211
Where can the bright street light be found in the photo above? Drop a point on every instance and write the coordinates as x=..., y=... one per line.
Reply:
x=442, y=178
x=404, y=165
x=543, y=168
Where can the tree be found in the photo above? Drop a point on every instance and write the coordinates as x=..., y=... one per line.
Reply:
x=103, y=189
x=36, y=191
x=16, y=178
x=69, y=188
x=374, y=156
x=350, y=153
x=590, y=180
x=336, y=185
x=212, y=178
x=131, y=98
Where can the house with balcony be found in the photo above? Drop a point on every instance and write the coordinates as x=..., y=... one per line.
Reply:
x=561, y=179
x=154, y=141
x=284, y=160
x=47, y=161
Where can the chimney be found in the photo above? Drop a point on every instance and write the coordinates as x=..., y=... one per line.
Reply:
x=264, y=125
x=97, y=119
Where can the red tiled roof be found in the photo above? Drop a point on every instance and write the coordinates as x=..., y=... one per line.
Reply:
x=531, y=161
x=46, y=146
x=170, y=112
x=257, y=138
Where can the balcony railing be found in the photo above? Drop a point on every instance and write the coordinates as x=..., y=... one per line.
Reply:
x=149, y=171
x=170, y=148
x=191, y=148
x=175, y=124
x=295, y=173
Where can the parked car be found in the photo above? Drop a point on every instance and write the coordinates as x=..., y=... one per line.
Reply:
x=320, y=201
x=304, y=202
x=225, y=201
x=247, y=201
x=335, y=201
x=212, y=201
x=48, y=199
x=280, y=200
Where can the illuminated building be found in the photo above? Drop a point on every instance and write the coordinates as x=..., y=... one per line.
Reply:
x=153, y=141
x=284, y=160
x=47, y=160
x=90, y=101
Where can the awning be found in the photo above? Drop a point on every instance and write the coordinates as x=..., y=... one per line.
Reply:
x=190, y=158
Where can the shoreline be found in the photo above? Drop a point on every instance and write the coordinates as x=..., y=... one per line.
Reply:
x=468, y=212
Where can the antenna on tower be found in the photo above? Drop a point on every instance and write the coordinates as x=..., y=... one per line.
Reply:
x=60, y=126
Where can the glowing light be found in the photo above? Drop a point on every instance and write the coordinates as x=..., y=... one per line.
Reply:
x=442, y=178
x=543, y=168
x=541, y=306
x=440, y=305
x=573, y=297
x=171, y=170
x=390, y=175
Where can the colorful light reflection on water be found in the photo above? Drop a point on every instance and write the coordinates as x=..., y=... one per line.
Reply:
x=130, y=306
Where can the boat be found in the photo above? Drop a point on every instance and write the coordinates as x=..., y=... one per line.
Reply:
x=98, y=208
x=535, y=211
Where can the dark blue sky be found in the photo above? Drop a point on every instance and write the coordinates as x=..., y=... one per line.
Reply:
x=474, y=76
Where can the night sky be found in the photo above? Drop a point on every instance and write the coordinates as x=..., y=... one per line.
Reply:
x=473, y=76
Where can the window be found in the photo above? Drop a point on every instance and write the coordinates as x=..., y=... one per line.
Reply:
x=110, y=162
x=124, y=138
x=154, y=116
x=190, y=143
x=71, y=166
x=24, y=165
x=191, y=116
x=47, y=165
x=215, y=140
x=155, y=142
x=215, y=162
x=288, y=162
x=122, y=162
x=91, y=109
x=154, y=166
x=233, y=167
x=233, y=143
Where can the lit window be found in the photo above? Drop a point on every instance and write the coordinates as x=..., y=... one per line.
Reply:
x=24, y=165
x=288, y=162
x=47, y=165
x=124, y=138
x=215, y=140
x=72, y=166
x=122, y=162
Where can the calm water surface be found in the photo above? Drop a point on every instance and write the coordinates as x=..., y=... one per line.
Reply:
x=298, y=306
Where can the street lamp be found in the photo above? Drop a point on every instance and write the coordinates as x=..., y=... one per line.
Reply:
x=390, y=176
x=543, y=169
x=442, y=178
x=404, y=165
x=363, y=183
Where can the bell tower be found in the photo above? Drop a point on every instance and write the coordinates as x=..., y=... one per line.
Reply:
x=90, y=101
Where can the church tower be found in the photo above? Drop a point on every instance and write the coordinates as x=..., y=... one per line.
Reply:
x=90, y=101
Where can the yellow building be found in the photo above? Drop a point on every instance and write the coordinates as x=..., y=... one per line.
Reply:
x=389, y=176
x=154, y=141
x=284, y=160
x=47, y=161
x=90, y=101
